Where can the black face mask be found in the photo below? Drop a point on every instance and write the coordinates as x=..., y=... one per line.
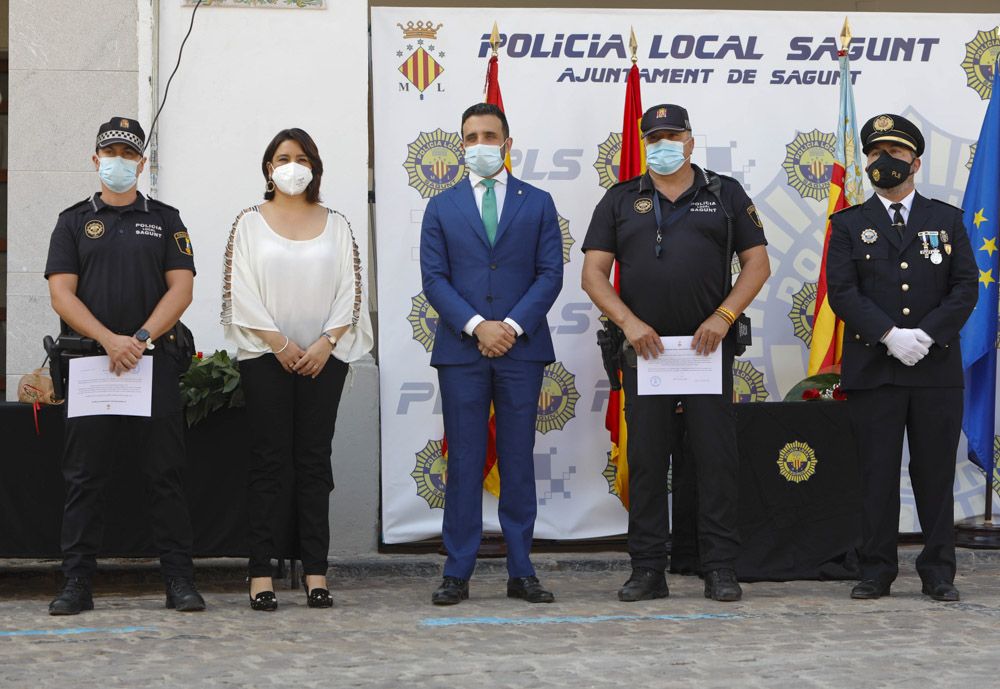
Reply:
x=887, y=172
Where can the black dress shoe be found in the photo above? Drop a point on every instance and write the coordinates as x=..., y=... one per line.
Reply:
x=452, y=591
x=721, y=585
x=264, y=601
x=318, y=597
x=869, y=589
x=74, y=598
x=183, y=596
x=644, y=584
x=529, y=589
x=941, y=590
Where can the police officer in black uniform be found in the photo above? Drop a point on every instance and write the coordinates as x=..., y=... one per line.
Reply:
x=668, y=231
x=902, y=277
x=121, y=271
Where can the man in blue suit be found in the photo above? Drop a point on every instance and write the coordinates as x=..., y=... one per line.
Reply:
x=491, y=262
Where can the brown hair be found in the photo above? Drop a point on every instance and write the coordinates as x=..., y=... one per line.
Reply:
x=312, y=153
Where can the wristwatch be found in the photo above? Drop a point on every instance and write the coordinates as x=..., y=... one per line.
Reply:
x=143, y=336
x=332, y=339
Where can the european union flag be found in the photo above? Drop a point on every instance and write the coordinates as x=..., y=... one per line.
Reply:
x=979, y=336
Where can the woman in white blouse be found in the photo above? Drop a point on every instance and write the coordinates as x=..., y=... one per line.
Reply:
x=294, y=307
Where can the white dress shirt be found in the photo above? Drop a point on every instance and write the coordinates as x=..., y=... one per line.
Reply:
x=500, y=191
x=904, y=211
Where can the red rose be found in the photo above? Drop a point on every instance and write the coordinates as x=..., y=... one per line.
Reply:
x=839, y=394
x=810, y=394
x=200, y=355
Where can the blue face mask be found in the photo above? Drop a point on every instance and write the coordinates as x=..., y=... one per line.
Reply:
x=665, y=157
x=484, y=159
x=118, y=174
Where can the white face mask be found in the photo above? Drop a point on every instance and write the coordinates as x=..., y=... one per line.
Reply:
x=291, y=178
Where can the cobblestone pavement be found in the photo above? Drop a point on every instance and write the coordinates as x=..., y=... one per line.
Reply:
x=383, y=632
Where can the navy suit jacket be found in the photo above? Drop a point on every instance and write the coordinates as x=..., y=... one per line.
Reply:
x=519, y=277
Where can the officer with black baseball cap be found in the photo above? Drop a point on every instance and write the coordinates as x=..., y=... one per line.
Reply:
x=673, y=232
x=121, y=271
x=902, y=276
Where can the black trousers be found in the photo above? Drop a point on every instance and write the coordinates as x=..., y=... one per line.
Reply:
x=932, y=419
x=713, y=458
x=157, y=444
x=293, y=418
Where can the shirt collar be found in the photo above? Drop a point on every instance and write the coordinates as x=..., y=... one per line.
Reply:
x=475, y=179
x=140, y=203
x=907, y=202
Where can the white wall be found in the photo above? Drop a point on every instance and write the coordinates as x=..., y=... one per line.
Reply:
x=245, y=75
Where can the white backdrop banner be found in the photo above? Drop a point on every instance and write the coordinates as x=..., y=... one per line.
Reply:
x=761, y=89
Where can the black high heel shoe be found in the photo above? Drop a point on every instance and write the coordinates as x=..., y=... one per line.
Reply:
x=317, y=598
x=265, y=601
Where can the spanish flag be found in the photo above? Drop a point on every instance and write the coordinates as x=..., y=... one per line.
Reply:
x=632, y=163
x=845, y=190
x=491, y=473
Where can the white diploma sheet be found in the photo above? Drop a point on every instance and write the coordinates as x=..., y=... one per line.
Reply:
x=94, y=390
x=680, y=370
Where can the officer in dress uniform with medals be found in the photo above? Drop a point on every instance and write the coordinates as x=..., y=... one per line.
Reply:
x=121, y=272
x=902, y=277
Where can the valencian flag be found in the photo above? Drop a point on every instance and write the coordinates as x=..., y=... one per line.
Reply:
x=979, y=335
x=845, y=190
x=632, y=163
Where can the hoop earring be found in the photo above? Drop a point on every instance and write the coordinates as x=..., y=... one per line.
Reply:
x=269, y=189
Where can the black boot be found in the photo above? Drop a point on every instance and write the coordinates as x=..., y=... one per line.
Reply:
x=451, y=591
x=721, y=585
x=74, y=598
x=182, y=595
x=644, y=584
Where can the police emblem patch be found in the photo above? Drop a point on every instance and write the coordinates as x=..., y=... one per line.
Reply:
x=748, y=383
x=809, y=160
x=972, y=157
x=420, y=69
x=434, y=162
x=803, y=312
x=183, y=243
x=981, y=55
x=94, y=229
x=123, y=124
x=567, y=239
x=869, y=235
x=424, y=321
x=431, y=474
x=752, y=212
x=557, y=399
x=883, y=123
x=797, y=462
x=609, y=156
x=643, y=205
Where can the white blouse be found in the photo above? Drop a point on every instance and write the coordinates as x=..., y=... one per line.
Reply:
x=298, y=288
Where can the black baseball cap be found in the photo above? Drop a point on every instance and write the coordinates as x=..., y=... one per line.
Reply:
x=121, y=130
x=893, y=128
x=673, y=118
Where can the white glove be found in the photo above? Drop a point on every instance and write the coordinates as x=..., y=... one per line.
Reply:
x=923, y=337
x=906, y=345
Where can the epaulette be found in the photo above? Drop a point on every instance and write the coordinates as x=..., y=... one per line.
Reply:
x=85, y=202
x=627, y=181
x=945, y=203
x=844, y=210
x=159, y=204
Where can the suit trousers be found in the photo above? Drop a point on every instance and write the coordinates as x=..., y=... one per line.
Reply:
x=713, y=459
x=932, y=420
x=157, y=445
x=293, y=418
x=466, y=392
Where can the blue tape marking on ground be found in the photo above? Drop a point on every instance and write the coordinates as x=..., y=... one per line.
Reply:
x=77, y=630
x=572, y=619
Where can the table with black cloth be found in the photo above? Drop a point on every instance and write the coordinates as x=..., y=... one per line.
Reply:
x=804, y=530
x=32, y=492
x=789, y=530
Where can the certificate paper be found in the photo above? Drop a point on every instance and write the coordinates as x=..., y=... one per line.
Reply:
x=680, y=370
x=94, y=390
